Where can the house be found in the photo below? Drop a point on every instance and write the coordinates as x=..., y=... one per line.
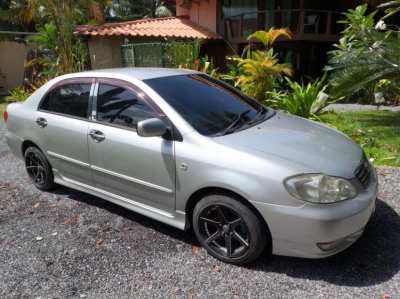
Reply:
x=107, y=42
x=313, y=23
x=224, y=25
x=13, y=54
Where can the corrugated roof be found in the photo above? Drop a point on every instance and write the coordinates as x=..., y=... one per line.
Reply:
x=169, y=27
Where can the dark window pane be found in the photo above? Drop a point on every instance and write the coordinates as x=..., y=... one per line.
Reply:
x=121, y=106
x=207, y=104
x=70, y=99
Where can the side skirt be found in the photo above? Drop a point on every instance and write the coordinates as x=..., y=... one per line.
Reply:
x=177, y=220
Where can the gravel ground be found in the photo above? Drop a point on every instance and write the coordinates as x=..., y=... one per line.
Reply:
x=359, y=107
x=69, y=244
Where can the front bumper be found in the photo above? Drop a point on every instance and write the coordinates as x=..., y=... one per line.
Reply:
x=317, y=231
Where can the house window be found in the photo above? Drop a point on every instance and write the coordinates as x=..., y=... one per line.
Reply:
x=231, y=8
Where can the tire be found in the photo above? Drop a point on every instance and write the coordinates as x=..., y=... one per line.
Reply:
x=237, y=225
x=39, y=169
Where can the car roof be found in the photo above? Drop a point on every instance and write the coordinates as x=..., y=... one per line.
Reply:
x=140, y=73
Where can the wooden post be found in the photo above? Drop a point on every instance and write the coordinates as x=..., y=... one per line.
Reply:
x=241, y=25
x=329, y=24
x=302, y=17
x=228, y=29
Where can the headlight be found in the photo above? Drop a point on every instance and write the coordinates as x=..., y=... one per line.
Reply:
x=319, y=188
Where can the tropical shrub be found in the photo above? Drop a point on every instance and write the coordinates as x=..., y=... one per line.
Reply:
x=367, y=53
x=305, y=100
x=18, y=94
x=257, y=71
x=203, y=64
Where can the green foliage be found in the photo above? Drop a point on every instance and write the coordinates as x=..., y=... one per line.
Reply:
x=66, y=53
x=268, y=38
x=128, y=9
x=203, y=64
x=391, y=8
x=377, y=132
x=257, y=71
x=366, y=54
x=162, y=11
x=2, y=108
x=303, y=100
x=20, y=12
x=358, y=22
x=18, y=94
x=160, y=54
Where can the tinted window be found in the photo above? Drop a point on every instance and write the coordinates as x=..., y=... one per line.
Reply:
x=121, y=106
x=71, y=99
x=209, y=105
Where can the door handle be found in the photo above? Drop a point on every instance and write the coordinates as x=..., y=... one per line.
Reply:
x=97, y=136
x=41, y=122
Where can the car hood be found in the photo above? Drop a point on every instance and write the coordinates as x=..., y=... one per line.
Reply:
x=309, y=144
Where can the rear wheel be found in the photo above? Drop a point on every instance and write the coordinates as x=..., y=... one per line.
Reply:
x=229, y=230
x=39, y=169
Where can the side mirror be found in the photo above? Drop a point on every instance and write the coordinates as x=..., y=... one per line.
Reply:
x=152, y=127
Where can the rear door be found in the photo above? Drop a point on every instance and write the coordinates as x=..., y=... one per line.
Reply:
x=63, y=117
x=137, y=168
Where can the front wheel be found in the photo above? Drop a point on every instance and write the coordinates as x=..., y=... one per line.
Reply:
x=229, y=230
x=39, y=169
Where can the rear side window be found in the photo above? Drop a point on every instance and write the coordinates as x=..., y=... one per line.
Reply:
x=120, y=106
x=70, y=99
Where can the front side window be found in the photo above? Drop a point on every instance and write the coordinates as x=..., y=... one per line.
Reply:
x=120, y=106
x=208, y=105
x=69, y=99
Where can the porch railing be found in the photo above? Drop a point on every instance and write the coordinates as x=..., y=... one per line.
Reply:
x=299, y=21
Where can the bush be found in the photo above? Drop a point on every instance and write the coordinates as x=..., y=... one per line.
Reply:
x=302, y=100
x=367, y=55
x=18, y=94
x=257, y=71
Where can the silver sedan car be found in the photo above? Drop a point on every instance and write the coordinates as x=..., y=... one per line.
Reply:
x=191, y=151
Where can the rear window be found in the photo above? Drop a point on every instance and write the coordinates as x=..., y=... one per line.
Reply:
x=69, y=99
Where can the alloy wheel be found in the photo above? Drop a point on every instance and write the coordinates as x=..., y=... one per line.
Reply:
x=224, y=231
x=35, y=168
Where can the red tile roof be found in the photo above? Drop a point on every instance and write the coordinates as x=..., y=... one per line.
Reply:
x=170, y=27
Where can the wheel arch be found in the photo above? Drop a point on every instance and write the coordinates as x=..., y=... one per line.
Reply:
x=28, y=143
x=205, y=191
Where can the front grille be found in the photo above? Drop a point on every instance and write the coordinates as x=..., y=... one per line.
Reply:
x=363, y=172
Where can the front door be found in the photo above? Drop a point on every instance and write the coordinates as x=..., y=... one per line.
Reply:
x=140, y=169
x=62, y=120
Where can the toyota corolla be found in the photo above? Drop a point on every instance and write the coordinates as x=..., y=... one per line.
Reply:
x=191, y=151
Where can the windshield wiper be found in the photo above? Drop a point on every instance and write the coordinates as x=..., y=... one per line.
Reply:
x=234, y=124
x=262, y=111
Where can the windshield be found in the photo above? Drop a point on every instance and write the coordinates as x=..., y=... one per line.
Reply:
x=210, y=106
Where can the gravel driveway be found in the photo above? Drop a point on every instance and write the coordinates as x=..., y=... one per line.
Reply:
x=69, y=244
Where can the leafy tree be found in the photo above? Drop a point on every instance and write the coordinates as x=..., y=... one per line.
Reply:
x=367, y=53
x=391, y=8
x=19, y=12
x=128, y=9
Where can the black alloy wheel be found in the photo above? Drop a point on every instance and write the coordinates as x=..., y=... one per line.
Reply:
x=228, y=229
x=39, y=169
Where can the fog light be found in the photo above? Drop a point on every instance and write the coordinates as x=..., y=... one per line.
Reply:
x=340, y=243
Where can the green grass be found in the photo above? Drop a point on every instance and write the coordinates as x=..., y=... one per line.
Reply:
x=378, y=133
